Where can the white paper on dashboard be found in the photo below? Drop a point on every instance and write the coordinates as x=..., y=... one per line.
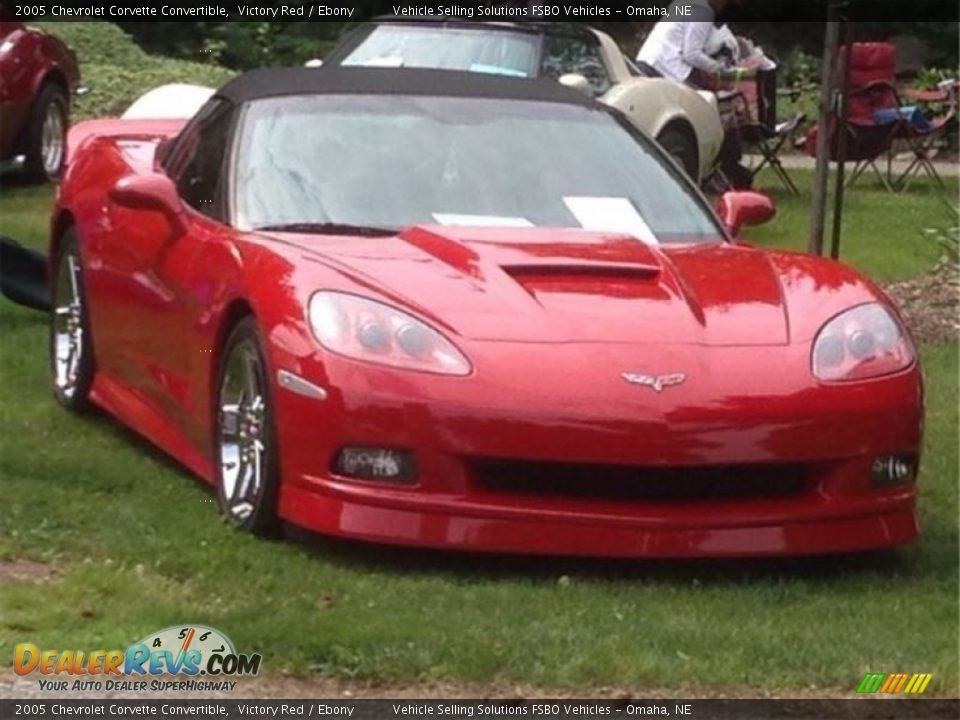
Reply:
x=481, y=220
x=610, y=214
x=390, y=61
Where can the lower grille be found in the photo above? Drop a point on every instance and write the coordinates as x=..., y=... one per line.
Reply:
x=667, y=484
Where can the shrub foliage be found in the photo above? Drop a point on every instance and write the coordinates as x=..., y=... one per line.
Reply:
x=117, y=71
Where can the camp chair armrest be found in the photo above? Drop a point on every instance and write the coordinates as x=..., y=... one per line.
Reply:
x=877, y=85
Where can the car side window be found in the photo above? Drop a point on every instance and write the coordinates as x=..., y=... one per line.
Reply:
x=198, y=165
x=564, y=54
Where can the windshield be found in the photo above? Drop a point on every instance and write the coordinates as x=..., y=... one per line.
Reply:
x=500, y=52
x=395, y=161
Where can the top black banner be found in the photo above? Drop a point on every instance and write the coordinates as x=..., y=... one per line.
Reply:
x=934, y=11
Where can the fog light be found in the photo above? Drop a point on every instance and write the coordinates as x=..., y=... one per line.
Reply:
x=889, y=470
x=376, y=464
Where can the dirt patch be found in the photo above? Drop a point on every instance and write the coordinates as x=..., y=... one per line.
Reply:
x=25, y=571
x=931, y=304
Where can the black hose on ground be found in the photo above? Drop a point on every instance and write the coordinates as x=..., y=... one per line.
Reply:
x=23, y=275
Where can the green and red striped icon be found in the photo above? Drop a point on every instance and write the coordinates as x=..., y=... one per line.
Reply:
x=891, y=683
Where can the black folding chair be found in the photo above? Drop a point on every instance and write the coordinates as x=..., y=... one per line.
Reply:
x=769, y=143
x=922, y=140
x=760, y=133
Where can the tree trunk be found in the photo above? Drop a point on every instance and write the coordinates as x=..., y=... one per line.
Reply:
x=818, y=207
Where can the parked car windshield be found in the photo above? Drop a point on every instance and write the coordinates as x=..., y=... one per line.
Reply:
x=388, y=161
x=499, y=52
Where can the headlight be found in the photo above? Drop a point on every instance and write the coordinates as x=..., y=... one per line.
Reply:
x=373, y=332
x=863, y=342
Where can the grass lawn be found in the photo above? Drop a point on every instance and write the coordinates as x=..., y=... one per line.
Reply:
x=882, y=232
x=136, y=546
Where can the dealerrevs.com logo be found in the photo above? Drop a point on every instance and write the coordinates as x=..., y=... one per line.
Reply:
x=181, y=654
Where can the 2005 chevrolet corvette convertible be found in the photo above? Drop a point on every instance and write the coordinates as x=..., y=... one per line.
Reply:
x=474, y=312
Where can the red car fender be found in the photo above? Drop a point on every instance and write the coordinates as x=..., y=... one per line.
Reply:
x=46, y=69
x=32, y=58
x=808, y=312
x=281, y=315
x=149, y=130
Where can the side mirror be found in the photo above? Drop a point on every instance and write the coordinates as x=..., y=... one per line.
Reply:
x=577, y=82
x=154, y=192
x=738, y=209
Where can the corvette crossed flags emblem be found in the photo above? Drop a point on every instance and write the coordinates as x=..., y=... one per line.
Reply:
x=656, y=382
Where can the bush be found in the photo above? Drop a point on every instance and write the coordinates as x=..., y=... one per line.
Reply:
x=117, y=71
x=798, y=69
x=114, y=87
x=238, y=45
x=104, y=42
x=947, y=234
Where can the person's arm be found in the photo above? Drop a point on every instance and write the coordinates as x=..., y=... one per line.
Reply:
x=695, y=38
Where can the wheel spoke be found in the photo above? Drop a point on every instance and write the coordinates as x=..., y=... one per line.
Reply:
x=68, y=363
x=249, y=470
x=244, y=470
x=230, y=421
x=229, y=468
x=257, y=448
x=250, y=374
x=73, y=280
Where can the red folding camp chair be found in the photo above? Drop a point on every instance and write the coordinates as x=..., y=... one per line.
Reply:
x=869, y=133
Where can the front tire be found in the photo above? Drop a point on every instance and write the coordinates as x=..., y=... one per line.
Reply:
x=682, y=148
x=46, y=133
x=71, y=346
x=246, y=448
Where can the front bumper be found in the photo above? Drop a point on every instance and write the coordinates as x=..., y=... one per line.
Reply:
x=461, y=526
x=724, y=416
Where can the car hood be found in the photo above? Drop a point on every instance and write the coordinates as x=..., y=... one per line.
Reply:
x=557, y=285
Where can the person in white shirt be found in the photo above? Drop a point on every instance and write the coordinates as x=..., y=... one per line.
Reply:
x=678, y=50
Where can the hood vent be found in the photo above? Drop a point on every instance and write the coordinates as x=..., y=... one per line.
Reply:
x=580, y=268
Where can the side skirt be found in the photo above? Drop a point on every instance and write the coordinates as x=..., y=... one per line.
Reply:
x=142, y=418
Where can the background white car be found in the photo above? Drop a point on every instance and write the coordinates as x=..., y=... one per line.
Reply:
x=684, y=121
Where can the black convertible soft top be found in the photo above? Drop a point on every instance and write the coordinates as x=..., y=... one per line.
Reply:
x=396, y=81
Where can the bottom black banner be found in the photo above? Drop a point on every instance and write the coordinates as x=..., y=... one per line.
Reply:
x=858, y=709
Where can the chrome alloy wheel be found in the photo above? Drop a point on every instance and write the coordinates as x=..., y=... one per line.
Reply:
x=52, y=139
x=67, y=327
x=242, y=432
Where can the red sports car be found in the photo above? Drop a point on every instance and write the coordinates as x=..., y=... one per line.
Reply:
x=474, y=312
x=37, y=75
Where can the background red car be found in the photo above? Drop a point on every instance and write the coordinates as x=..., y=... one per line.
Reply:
x=37, y=75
